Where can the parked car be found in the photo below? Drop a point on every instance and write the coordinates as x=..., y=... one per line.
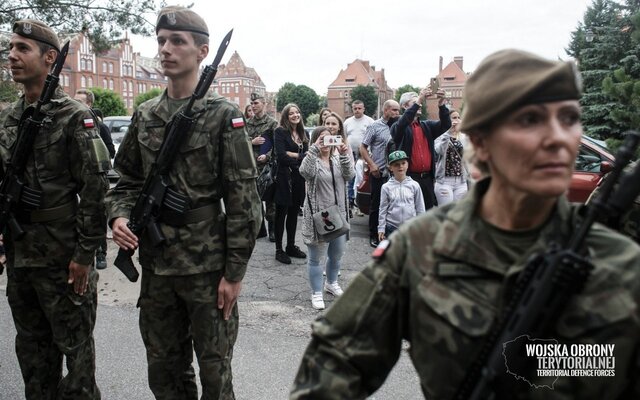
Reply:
x=594, y=160
x=118, y=126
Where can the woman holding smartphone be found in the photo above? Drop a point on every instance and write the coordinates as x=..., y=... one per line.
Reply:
x=326, y=168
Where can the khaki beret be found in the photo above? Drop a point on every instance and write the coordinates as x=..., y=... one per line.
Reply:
x=509, y=79
x=255, y=96
x=176, y=18
x=36, y=30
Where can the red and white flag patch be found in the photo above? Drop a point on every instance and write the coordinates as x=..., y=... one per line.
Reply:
x=89, y=123
x=237, y=122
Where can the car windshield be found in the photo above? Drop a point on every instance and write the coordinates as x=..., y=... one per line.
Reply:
x=600, y=143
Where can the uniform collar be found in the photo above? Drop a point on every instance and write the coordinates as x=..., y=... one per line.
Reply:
x=461, y=235
x=161, y=109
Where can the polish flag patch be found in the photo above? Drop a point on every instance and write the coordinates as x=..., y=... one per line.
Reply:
x=89, y=123
x=237, y=122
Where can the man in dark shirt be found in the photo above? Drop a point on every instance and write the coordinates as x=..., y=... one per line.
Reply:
x=415, y=137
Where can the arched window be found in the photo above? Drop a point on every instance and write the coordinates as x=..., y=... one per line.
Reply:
x=89, y=82
x=104, y=66
x=111, y=68
x=104, y=83
x=111, y=84
x=83, y=82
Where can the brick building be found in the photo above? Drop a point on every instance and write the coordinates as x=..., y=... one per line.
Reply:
x=236, y=82
x=359, y=72
x=119, y=69
x=450, y=78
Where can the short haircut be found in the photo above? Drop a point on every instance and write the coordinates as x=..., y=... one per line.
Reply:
x=357, y=102
x=388, y=104
x=91, y=98
x=406, y=97
x=199, y=39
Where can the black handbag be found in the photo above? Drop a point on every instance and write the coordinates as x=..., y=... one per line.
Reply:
x=267, y=180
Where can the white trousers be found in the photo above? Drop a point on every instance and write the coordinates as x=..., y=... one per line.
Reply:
x=451, y=189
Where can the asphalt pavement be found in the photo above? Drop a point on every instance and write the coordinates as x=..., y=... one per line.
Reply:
x=275, y=318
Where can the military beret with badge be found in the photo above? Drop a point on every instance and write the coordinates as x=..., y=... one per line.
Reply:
x=176, y=18
x=36, y=30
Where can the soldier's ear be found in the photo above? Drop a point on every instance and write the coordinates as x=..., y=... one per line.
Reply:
x=50, y=56
x=203, y=52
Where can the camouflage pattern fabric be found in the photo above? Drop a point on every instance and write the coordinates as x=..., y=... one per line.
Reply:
x=52, y=321
x=629, y=223
x=439, y=286
x=214, y=163
x=180, y=280
x=69, y=162
x=258, y=126
x=255, y=128
x=174, y=313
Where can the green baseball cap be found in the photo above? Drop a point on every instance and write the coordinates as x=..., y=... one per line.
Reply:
x=397, y=156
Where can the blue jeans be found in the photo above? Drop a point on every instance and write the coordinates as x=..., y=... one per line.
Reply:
x=334, y=251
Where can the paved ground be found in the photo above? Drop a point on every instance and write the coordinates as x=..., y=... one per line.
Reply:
x=275, y=312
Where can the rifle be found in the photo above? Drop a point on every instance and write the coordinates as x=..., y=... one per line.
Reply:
x=156, y=192
x=545, y=286
x=13, y=192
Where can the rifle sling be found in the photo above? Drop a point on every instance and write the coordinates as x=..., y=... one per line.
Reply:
x=47, y=214
x=190, y=217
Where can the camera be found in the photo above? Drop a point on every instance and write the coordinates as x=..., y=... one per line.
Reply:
x=333, y=140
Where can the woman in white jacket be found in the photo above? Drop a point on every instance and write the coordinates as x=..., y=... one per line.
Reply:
x=451, y=172
x=326, y=169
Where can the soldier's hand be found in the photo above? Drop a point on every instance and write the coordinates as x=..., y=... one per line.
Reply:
x=262, y=158
x=79, y=277
x=257, y=141
x=228, y=293
x=122, y=235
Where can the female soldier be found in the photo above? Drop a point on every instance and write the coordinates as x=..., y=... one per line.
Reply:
x=447, y=274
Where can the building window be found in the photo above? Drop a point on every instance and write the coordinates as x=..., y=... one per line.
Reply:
x=83, y=64
x=89, y=65
x=153, y=76
x=111, y=84
x=104, y=83
x=104, y=66
x=111, y=68
x=124, y=86
x=131, y=86
x=89, y=82
x=83, y=82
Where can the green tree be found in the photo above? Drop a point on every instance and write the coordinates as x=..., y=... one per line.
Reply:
x=103, y=21
x=305, y=97
x=141, y=98
x=404, y=89
x=366, y=94
x=608, y=20
x=312, y=119
x=109, y=102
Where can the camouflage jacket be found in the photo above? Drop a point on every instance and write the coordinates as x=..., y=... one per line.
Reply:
x=421, y=290
x=213, y=164
x=258, y=126
x=69, y=164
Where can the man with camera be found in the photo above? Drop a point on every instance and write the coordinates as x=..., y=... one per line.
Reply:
x=416, y=138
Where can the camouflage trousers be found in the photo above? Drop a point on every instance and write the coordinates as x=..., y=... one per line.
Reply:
x=177, y=315
x=51, y=322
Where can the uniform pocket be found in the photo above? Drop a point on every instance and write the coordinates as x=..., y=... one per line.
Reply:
x=50, y=153
x=467, y=315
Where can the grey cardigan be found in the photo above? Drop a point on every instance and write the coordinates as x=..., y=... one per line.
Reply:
x=309, y=171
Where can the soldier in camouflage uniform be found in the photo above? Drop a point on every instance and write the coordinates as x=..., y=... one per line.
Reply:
x=191, y=283
x=442, y=279
x=51, y=284
x=259, y=126
x=629, y=222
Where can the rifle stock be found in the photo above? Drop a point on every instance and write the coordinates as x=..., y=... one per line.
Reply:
x=145, y=213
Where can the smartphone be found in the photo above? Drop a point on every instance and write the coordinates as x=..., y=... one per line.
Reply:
x=434, y=85
x=331, y=140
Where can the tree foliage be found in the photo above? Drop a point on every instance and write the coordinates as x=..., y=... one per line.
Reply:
x=109, y=102
x=312, y=119
x=611, y=49
x=404, y=89
x=102, y=20
x=141, y=98
x=367, y=95
x=305, y=97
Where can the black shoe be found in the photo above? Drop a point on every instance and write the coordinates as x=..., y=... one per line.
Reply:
x=374, y=242
x=263, y=231
x=300, y=212
x=282, y=257
x=272, y=237
x=101, y=261
x=294, y=251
